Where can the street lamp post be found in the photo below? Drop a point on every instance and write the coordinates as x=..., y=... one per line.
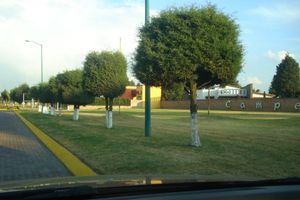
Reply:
x=41, y=56
x=147, y=85
x=34, y=42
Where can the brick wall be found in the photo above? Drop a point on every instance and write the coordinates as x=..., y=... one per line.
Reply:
x=266, y=105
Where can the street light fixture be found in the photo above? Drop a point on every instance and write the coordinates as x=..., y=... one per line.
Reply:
x=41, y=56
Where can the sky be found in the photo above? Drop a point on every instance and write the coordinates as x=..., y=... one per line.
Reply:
x=70, y=29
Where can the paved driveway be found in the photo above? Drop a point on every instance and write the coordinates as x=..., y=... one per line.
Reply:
x=22, y=156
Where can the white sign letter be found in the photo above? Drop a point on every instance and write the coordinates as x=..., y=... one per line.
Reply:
x=276, y=106
x=242, y=105
x=227, y=104
x=297, y=106
x=258, y=105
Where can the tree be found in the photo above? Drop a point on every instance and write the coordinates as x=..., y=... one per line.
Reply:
x=70, y=90
x=173, y=92
x=131, y=83
x=34, y=92
x=286, y=81
x=198, y=47
x=45, y=95
x=53, y=89
x=17, y=93
x=5, y=96
x=104, y=74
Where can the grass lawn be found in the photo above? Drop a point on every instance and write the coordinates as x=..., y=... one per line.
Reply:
x=264, y=145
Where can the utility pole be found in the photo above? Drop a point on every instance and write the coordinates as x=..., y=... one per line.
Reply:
x=147, y=86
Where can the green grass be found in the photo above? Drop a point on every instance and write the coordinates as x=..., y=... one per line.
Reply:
x=264, y=145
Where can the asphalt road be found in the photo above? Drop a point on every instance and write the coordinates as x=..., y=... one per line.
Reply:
x=22, y=156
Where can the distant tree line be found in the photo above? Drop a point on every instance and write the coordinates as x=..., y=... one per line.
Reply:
x=103, y=75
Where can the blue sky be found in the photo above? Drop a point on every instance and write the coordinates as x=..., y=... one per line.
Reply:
x=69, y=29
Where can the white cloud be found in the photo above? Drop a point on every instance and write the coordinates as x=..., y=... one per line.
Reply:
x=68, y=30
x=278, y=12
x=254, y=80
x=278, y=56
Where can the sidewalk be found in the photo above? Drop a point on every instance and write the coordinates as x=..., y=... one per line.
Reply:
x=22, y=156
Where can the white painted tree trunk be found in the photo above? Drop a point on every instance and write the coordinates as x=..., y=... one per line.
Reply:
x=40, y=108
x=106, y=118
x=68, y=107
x=52, y=110
x=45, y=109
x=195, y=130
x=59, y=109
x=109, y=119
x=76, y=114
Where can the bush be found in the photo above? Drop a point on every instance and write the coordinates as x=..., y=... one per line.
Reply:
x=9, y=107
x=122, y=101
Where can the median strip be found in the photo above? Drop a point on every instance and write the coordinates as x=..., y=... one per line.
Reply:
x=71, y=162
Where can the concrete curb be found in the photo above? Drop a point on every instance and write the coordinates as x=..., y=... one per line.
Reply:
x=71, y=162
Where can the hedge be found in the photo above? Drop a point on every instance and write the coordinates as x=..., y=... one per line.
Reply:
x=117, y=101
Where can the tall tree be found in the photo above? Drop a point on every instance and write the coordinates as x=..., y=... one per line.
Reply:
x=5, y=96
x=105, y=74
x=53, y=89
x=286, y=81
x=17, y=93
x=34, y=92
x=70, y=90
x=45, y=95
x=198, y=47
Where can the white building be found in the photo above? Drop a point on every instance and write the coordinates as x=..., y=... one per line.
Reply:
x=217, y=92
x=226, y=92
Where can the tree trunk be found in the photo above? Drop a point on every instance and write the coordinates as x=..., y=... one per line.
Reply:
x=40, y=108
x=52, y=109
x=208, y=98
x=76, y=112
x=59, y=108
x=44, y=109
x=109, y=114
x=106, y=111
x=32, y=103
x=194, y=116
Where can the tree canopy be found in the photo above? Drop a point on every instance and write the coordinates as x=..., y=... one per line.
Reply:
x=70, y=90
x=34, y=92
x=45, y=95
x=191, y=44
x=173, y=92
x=105, y=74
x=45, y=92
x=16, y=94
x=5, y=95
x=286, y=81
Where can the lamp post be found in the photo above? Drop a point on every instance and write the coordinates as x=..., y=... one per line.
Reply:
x=147, y=85
x=41, y=56
x=34, y=42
